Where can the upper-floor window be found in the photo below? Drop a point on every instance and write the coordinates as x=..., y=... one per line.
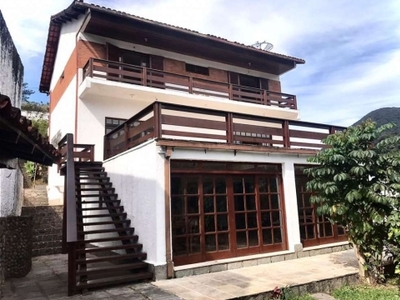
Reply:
x=111, y=123
x=197, y=69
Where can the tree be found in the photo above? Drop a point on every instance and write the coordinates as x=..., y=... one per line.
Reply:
x=26, y=92
x=357, y=184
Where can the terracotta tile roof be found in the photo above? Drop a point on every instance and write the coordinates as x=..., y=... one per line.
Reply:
x=32, y=144
x=79, y=7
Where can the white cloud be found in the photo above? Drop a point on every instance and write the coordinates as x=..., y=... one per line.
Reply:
x=351, y=48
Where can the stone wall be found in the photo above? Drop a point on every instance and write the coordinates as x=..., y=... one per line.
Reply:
x=18, y=246
x=2, y=248
x=46, y=228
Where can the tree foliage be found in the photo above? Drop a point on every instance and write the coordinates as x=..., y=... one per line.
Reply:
x=26, y=92
x=357, y=184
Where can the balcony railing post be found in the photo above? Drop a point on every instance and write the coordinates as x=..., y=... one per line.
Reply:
x=144, y=76
x=230, y=91
x=157, y=120
x=294, y=102
x=332, y=130
x=91, y=67
x=190, y=85
x=265, y=100
x=286, y=134
x=229, y=128
x=126, y=136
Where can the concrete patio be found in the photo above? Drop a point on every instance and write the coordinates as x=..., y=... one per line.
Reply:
x=48, y=280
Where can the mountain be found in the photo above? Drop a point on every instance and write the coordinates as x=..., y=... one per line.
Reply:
x=383, y=116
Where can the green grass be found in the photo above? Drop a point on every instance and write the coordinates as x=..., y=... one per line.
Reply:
x=367, y=293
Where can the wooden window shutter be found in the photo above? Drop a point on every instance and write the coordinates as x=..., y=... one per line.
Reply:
x=157, y=62
x=264, y=83
x=113, y=52
x=233, y=78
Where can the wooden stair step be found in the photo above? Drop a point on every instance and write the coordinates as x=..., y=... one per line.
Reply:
x=95, y=189
x=105, y=223
x=92, y=178
x=127, y=229
x=103, y=195
x=114, y=280
x=85, y=175
x=93, y=183
x=100, y=201
x=110, y=248
x=133, y=238
x=139, y=255
x=100, y=208
x=104, y=215
x=113, y=269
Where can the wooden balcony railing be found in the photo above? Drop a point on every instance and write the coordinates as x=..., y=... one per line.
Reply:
x=161, y=120
x=126, y=73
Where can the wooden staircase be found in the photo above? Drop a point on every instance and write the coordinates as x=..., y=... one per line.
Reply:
x=102, y=246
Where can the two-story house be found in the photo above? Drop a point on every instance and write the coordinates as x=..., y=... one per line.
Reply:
x=201, y=145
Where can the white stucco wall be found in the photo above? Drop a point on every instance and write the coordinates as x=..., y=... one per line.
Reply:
x=91, y=119
x=66, y=46
x=288, y=177
x=62, y=121
x=138, y=178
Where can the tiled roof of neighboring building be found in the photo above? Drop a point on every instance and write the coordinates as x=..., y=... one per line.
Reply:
x=78, y=7
x=20, y=139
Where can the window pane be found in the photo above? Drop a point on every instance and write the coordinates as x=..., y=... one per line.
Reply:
x=263, y=185
x=264, y=202
x=178, y=206
x=194, y=244
x=277, y=236
x=208, y=204
x=222, y=222
x=210, y=242
x=253, y=238
x=192, y=186
x=276, y=220
x=223, y=241
x=275, y=201
x=241, y=239
x=266, y=219
x=251, y=220
x=178, y=225
x=273, y=184
x=193, y=225
x=220, y=186
x=239, y=203
x=250, y=202
x=221, y=204
x=208, y=185
x=179, y=246
x=267, y=236
x=240, y=221
x=209, y=223
x=192, y=204
x=176, y=186
x=237, y=185
x=249, y=185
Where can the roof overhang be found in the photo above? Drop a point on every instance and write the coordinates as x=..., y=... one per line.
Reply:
x=18, y=139
x=122, y=26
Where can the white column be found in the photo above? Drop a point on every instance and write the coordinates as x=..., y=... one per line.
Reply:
x=292, y=219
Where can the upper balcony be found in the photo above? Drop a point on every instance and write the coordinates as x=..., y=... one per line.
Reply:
x=156, y=81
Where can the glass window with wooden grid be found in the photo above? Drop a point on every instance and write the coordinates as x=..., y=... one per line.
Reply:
x=314, y=229
x=111, y=123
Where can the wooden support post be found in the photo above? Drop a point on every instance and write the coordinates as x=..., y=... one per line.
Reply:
x=286, y=134
x=265, y=98
x=229, y=128
x=332, y=130
x=157, y=120
x=230, y=91
x=71, y=268
x=144, y=74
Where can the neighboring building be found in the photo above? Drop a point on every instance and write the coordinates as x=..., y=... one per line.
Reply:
x=209, y=164
x=11, y=77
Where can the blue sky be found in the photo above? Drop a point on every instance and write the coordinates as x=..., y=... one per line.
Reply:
x=351, y=48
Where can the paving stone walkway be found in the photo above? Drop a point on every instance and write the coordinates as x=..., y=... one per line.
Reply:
x=48, y=280
x=245, y=282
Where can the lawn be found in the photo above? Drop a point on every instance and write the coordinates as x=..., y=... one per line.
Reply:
x=367, y=293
